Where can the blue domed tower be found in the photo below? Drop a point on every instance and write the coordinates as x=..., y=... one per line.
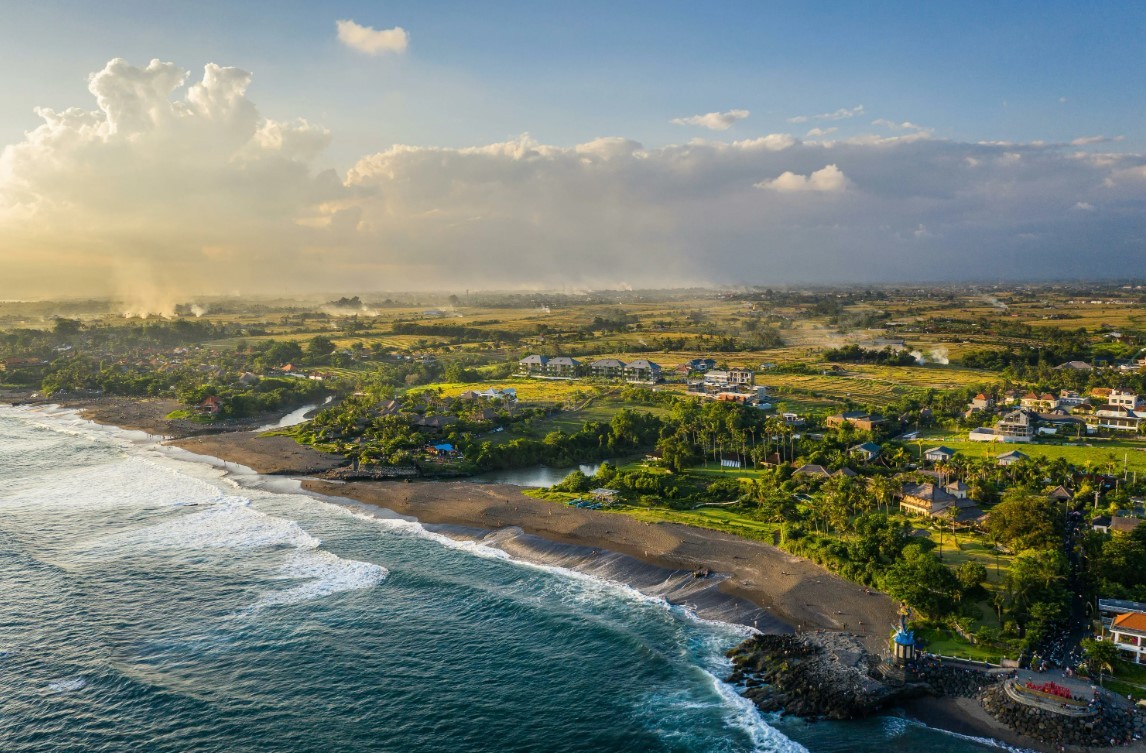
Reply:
x=903, y=641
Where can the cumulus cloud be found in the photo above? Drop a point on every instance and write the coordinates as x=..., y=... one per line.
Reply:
x=165, y=183
x=825, y=180
x=716, y=121
x=160, y=180
x=841, y=114
x=371, y=41
x=817, y=133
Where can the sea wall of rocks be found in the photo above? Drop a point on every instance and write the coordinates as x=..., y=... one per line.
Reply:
x=1108, y=726
x=952, y=679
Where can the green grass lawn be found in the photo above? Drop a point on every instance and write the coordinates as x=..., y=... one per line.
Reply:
x=949, y=644
x=1096, y=451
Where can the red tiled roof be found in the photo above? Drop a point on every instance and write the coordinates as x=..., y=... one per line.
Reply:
x=1131, y=621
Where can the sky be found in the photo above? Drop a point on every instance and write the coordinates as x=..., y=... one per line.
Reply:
x=231, y=147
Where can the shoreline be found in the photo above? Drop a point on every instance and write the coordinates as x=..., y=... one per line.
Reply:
x=750, y=583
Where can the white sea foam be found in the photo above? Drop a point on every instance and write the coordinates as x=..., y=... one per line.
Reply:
x=323, y=574
x=229, y=524
x=67, y=685
x=988, y=741
x=742, y=714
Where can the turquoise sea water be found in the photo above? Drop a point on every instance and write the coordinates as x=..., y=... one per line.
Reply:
x=150, y=602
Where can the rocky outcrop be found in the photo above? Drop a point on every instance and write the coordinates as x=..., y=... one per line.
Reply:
x=816, y=675
x=1106, y=726
x=952, y=679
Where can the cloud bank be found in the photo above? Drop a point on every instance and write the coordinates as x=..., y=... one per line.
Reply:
x=172, y=183
x=371, y=41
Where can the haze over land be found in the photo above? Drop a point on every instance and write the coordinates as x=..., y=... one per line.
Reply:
x=365, y=148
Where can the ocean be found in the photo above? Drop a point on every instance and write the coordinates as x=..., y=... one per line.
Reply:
x=154, y=602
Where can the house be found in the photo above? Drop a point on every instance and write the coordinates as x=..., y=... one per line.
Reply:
x=869, y=451
x=435, y=422
x=1017, y=426
x=939, y=454
x=792, y=419
x=730, y=378
x=210, y=405
x=812, y=470
x=730, y=461
x=983, y=434
x=858, y=419
x=1128, y=633
x=1102, y=393
x=771, y=459
x=1010, y=397
x=1116, y=418
x=1070, y=399
x=925, y=499
x=642, y=370
x=562, y=367
x=1074, y=366
x=1060, y=494
x=845, y=472
x=1124, y=524
x=1045, y=401
x=443, y=450
x=531, y=365
x=1012, y=457
x=607, y=368
x=958, y=490
x=699, y=364
x=981, y=402
x=248, y=379
x=1125, y=399
x=1101, y=524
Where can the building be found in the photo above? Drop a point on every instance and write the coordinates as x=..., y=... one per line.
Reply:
x=1074, y=366
x=642, y=370
x=1012, y=457
x=1017, y=426
x=983, y=434
x=858, y=419
x=1128, y=633
x=939, y=454
x=1108, y=609
x=1070, y=399
x=929, y=500
x=813, y=470
x=1125, y=399
x=1114, y=417
x=210, y=406
x=981, y=402
x=532, y=365
x=869, y=451
x=563, y=367
x=730, y=378
x=1045, y=401
x=792, y=419
x=607, y=368
x=1124, y=524
x=1060, y=494
x=728, y=460
x=699, y=364
x=958, y=490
